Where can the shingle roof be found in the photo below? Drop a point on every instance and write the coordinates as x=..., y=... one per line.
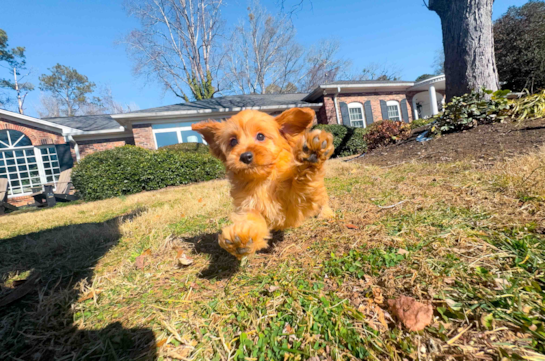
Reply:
x=87, y=122
x=233, y=101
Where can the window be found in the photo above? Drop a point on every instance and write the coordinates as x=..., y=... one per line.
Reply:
x=355, y=111
x=394, y=112
x=174, y=133
x=26, y=166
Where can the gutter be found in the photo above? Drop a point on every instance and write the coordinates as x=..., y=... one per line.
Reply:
x=70, y=139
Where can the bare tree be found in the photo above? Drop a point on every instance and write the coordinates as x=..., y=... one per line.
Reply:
x=375, y=71
x=178, y=44
x=262, y=53
x=323, y=65
x=468, y=44
x=49, y=106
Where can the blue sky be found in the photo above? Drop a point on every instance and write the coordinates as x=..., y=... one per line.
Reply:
x=83, y=34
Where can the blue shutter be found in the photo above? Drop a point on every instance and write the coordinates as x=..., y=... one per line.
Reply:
x=345, y=114
x=384, y=110
x=368, y=113
x=404, y=111
x=65, y=156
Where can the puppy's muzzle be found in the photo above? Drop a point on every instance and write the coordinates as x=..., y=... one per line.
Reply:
x=247, y=157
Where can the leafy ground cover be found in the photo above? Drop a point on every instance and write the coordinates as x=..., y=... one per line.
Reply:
x=142, y=277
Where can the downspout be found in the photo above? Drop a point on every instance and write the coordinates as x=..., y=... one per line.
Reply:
x=336, y=104
x=70, y=139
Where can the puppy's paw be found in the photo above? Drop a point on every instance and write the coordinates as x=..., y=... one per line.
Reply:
x=243, y=239
x=316, y=147
x=326, y=212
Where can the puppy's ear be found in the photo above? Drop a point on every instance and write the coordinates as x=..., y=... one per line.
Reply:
x=210, y=131
x=295, y=121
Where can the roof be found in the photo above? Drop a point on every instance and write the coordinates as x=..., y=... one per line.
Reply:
x=87, y=123
x=356, y=82
x=349, y=85
x=232, y=102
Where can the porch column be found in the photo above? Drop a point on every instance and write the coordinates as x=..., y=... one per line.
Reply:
x=415, y=109
x=433, y=101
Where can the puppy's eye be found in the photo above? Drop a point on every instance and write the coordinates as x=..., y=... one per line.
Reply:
x=260, y=137
x=233, y=142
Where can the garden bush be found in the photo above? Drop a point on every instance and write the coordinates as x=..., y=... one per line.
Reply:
x=386, y=132
x=129, y=169
x=188, y=148
x=347, y=140
x=469, y=110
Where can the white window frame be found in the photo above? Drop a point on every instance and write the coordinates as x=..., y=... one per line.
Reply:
x=394, y=103
x=39, y=163
x=356, y=105
x=178, y=131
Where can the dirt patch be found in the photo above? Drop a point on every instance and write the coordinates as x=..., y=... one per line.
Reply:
x=486, y=143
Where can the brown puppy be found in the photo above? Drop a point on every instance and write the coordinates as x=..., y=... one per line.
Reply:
x=276, y=170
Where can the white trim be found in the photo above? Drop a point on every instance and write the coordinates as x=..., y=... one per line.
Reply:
x=182, y=113
x=357, y=105
x=116, y=135
x=93, y=132
x=178, y=131
x=39, y=123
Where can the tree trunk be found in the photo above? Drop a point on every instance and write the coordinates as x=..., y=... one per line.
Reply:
x=468, y=42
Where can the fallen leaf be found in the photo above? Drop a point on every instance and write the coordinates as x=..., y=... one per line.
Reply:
x=271, y=288
x=200, y=200
x=413, y=314
x=90, y=294
x=160, y=343
x=501, y=284
x=183, y=260
x=288, y=330
x=402, y=251
x=351, y=226
x=140, y=261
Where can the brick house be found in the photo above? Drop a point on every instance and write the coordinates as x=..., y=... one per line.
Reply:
x=34, y=151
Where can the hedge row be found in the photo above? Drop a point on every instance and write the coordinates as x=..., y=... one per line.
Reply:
x=347, y=140
x=128, y=170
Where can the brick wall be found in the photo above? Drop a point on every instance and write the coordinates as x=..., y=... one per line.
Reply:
x=37, y=136
x=143, y=136
x=375, y=99
x=87, y=147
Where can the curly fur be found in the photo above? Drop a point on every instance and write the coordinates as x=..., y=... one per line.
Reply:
x=284, y=182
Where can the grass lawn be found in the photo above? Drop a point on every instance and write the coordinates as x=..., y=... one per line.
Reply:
x=104, y=282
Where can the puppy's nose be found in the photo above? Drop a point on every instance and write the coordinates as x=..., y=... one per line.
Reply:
x=247, y=157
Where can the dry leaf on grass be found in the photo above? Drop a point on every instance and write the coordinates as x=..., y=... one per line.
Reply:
x=351, y=226
x=402, y=251
x=183, y=260
x=90, y=294
x=140, y=261
x=413, y=314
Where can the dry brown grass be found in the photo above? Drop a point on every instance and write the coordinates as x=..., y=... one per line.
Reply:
x=464, y=226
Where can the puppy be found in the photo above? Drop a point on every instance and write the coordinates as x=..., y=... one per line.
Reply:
x=276, y=170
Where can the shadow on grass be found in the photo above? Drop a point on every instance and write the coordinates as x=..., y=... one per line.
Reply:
x=222, y=264
x=37, y=324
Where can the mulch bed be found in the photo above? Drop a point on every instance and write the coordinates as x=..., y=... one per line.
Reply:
x=486, y=143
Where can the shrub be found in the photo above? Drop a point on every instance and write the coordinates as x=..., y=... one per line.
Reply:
x=188, y=148
x=529, y=106
x=385, y=132
x=469, y=110
x=128, y=170
x=347, y=140
x=421, y=122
